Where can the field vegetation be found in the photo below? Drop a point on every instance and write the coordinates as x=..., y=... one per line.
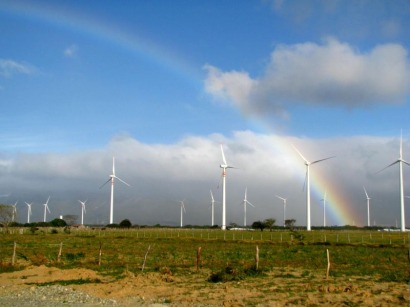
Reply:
x=384, y=256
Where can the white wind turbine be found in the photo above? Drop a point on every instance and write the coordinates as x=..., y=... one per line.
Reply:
x=46, y=209
x=14, y=213
x=400, y=161
x=82, y=210
x=284, y=209
x=245, y=202
x=28, y=211
x=368, y=207
x=307, y=163
x=224, y=166
x=324, y=209
x=182, y=211
x=112, y=177
x=213, y=201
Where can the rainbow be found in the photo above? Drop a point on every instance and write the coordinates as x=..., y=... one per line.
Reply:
x=106, y=32
x=337, y=205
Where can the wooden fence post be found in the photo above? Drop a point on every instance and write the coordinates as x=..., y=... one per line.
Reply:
x=59, y=252
x=145, y=258
x=99, y=255
x=13, y=260
x=198, y=258
x=257, y=258
x=328, y=264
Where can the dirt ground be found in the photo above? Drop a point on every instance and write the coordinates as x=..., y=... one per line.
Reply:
x=287, y=287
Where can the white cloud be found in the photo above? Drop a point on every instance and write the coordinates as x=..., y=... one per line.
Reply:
x=71, y=51
x=330, y=74
x=9, y=68
x=162, y=174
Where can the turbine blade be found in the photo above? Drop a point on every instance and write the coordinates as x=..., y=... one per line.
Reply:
x=405, y=162
x=388, y=166
x=223, y=156
x=113, y=166
x=250, y=203
x=47, y=200
x=304, y=182
x=304, y=159
x=367, y=196
x=280, y=197
x=48, y=209
x=317, y=161
x=105, y=183
x=122, y=181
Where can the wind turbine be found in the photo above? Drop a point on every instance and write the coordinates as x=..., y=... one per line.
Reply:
x=245, y=202
x=400, y=161
x=307, y=163
x=28, y=211
x=368, y=207
x=112, y=177
x=82, y=210
x=284, y=209
x=14, y=213
x=46, y=209
x=182, y=209
x=213, y=201
x=224, y=166
x=324, y=209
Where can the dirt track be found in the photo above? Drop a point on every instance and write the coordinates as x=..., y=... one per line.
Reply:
x=289, y=287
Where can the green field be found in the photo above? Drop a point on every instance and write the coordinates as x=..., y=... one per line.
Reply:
x=382, y=256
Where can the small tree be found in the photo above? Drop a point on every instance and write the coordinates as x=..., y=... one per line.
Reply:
x=6, y=214
x=258, y=225
x=290, y=223
x=269, y=223
x=70, y=219
x=125, y=223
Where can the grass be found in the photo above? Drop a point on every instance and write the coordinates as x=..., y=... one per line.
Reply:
x=382, y=256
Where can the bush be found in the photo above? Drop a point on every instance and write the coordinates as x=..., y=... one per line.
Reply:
x=125, y=223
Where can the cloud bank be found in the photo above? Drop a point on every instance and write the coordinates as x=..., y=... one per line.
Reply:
x=332, y=74
x=161, y=175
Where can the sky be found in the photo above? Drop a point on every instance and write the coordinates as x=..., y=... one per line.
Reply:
x=161, y=85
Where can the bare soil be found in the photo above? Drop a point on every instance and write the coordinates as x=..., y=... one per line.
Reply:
x=286, y=287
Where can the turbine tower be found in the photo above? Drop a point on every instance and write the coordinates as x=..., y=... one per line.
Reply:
x=182, y=211
x=112, y=178
x=46, y=209
x=368, y=207
x=28, y=211
x=245, y=202
x=308, y=164
x=400, y=161
x=82, y=210
x=224, y=166
x=324, y=209
x=14, y=213
x=213, y=201
x=284, y=209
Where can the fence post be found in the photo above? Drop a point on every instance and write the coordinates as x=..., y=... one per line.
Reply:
x=13, y=260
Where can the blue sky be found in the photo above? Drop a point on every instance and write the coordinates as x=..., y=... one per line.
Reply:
x=77, y=77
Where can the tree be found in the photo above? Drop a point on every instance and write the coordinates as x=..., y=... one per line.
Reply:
x=290, y=223
x=6, y=214
x=70, y=219
x=58, y=223
x=258, y=225
x=125, y=223
x=269, y=223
